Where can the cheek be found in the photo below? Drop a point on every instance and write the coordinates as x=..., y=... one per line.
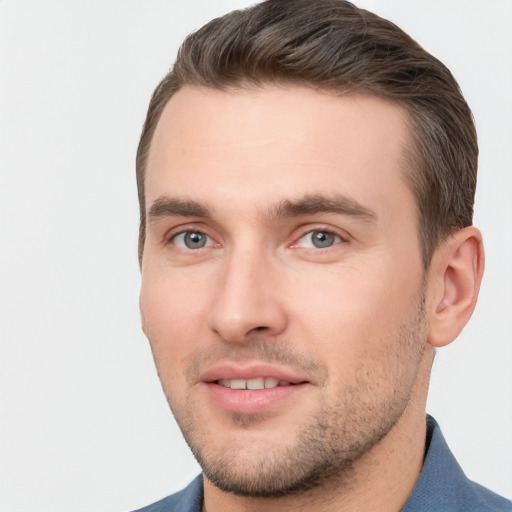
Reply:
x=353, y=320
x=346, y=302
x=171, y=311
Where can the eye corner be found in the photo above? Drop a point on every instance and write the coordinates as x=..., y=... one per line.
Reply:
x=189, y=238
x=318, y=239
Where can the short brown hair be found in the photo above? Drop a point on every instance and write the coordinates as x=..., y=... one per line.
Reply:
x=332, y=45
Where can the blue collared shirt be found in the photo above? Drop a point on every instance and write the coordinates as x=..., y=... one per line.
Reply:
x=441, y=487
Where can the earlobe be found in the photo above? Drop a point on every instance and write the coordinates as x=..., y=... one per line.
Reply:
x=456, y=271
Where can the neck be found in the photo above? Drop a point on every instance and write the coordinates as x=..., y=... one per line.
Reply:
x=382, y=479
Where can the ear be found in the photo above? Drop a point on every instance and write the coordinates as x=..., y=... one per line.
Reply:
x=455, y=276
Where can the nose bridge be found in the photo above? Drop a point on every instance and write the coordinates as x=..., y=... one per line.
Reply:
x=246, y=298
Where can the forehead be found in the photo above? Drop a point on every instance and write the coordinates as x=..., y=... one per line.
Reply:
x=275, y=143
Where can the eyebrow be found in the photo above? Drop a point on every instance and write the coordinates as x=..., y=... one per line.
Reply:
x=166, y=206
x=313, y=204
x=174, y=207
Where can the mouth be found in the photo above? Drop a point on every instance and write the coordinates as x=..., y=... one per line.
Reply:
x=252, y=390
x=254, y=383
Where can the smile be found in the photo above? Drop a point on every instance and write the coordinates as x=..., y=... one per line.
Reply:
x=252, y=388
x=253, y=384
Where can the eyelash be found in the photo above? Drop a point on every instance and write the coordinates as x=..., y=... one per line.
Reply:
x=208, y=242
x=342, y=237
x=170, y=238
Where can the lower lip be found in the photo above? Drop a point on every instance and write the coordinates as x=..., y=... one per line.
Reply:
x=252, y=401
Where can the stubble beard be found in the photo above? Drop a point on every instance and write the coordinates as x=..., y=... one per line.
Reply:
x=327, y=444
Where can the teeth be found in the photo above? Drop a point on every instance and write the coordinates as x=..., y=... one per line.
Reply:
x=238, y=384
x=256, y=383
x=270, y=382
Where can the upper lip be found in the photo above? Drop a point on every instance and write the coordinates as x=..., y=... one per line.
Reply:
x=250, y=371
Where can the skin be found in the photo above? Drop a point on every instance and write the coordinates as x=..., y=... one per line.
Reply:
x=256, y=172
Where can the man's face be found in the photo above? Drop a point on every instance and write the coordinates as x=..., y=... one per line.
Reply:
x=282, y=256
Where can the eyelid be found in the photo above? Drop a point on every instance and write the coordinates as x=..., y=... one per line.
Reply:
x=305, y=230
x=300, y=232
x=181, y=244
x=172, y=233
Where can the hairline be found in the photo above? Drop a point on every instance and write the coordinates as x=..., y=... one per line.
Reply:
x=410, y=156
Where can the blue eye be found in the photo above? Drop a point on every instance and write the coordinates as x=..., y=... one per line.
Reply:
x=192, y=240
x=318, y=240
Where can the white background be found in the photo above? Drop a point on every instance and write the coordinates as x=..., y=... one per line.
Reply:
x=83, y=422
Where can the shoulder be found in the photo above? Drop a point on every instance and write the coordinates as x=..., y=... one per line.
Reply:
x=443, y=486
x=189, y=499
x=482, y=499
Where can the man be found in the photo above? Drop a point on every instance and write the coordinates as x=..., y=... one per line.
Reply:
x=306, y=179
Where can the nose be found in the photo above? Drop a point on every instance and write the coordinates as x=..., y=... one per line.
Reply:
x=247, y=301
